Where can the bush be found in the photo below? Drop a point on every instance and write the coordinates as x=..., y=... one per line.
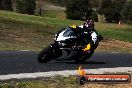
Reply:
x=75, y=15
x=26, y=6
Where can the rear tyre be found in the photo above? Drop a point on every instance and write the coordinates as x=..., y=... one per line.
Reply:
x=82, y=59
x=45, y=55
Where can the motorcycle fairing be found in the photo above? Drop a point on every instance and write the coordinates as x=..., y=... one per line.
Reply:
x=65, y=34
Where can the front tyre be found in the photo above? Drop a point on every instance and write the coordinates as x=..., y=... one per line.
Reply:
x=45, y=55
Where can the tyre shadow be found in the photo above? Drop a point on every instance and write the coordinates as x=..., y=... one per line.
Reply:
x=86, y=62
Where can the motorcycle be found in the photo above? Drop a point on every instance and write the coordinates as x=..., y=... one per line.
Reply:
x=71, y=43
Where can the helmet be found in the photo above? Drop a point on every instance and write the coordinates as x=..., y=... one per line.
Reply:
x=89, y=24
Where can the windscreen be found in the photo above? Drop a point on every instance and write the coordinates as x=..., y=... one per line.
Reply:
x=68, y=33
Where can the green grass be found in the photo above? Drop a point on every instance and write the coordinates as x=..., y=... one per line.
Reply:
x=21, y=31
x=55, y=82
x=28, y=32
x=60, y=14
x=46, y=21
x=117, y=34
x=115, y=31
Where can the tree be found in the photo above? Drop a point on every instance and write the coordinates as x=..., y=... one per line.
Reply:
x=112, y=9
x=72, y=10
x=95, y=3
x=78, y=9
x=26, y=6
x=38, y=11
x=118, y=6
x=127, y=12
x=5, y=4
x=106, y=8
x=13, y=5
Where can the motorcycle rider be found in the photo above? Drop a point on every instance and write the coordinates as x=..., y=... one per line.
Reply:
x=88, y=28
x=88, y=35
x=88, y=25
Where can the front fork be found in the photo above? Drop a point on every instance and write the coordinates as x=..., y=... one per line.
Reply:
x=56, y=50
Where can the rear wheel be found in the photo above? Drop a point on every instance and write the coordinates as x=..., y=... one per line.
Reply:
x=82, y=59
x=45, y=55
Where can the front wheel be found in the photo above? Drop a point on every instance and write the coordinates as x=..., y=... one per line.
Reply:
x=45, y=55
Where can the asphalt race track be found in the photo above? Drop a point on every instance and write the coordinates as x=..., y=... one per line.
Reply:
x=15, y=62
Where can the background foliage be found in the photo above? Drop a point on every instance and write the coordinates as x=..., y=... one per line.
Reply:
x=112, y=10
x=26, y=6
